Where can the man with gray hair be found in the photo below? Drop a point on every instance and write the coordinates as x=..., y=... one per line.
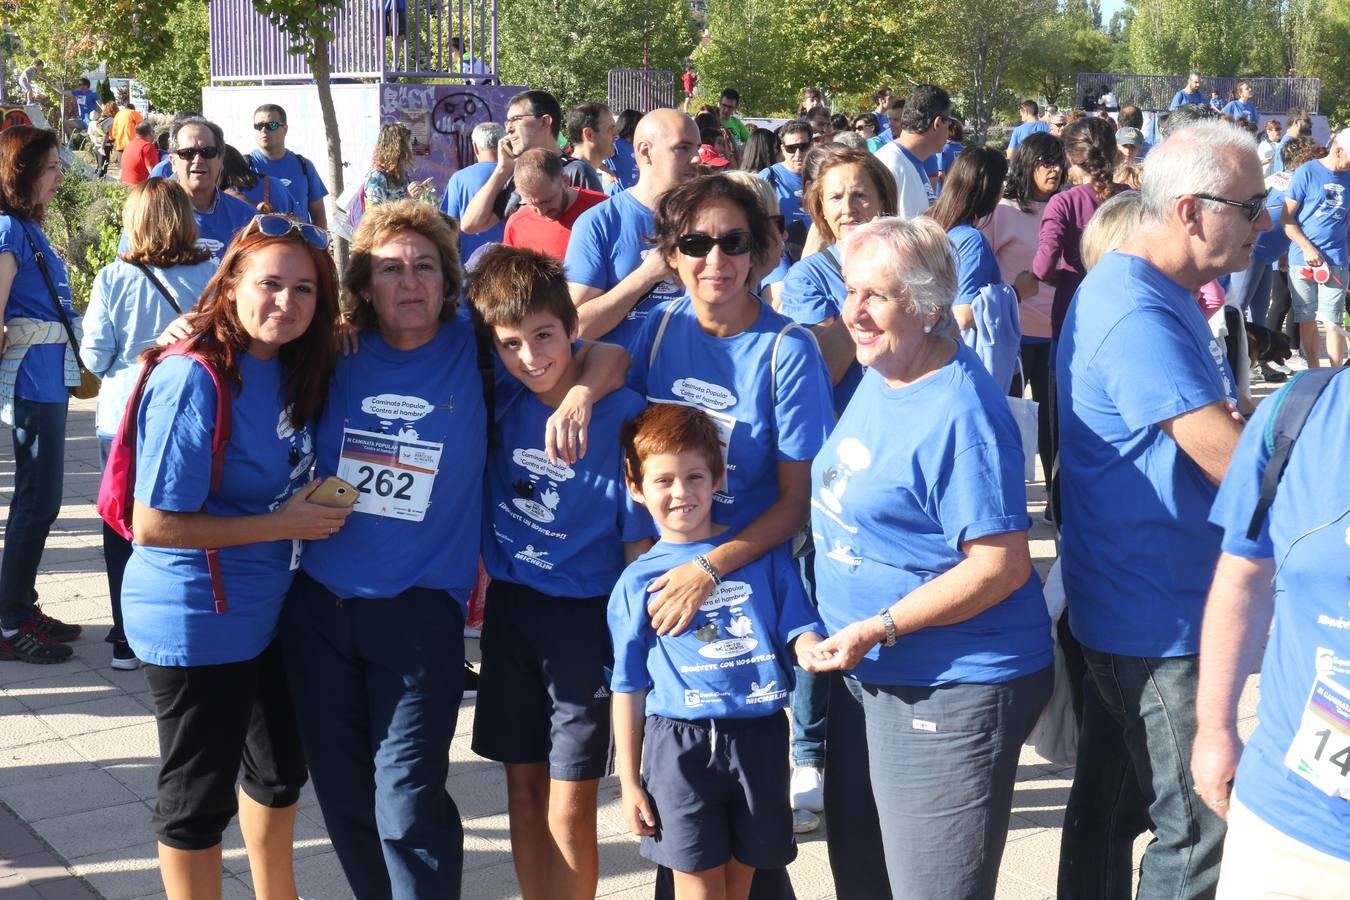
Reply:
x=461, y=187
x=197, y=149
x=1147, y=426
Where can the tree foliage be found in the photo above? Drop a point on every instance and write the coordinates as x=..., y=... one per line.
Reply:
x=74, y=35
x=174, y=81
x=568, y=48
x=1057, y=48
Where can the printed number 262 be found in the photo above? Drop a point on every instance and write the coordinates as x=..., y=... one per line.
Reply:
x=385, y=483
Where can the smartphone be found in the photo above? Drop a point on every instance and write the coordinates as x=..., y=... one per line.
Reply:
x=335, y=494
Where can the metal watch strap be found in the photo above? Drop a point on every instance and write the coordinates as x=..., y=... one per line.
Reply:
x=888, y=622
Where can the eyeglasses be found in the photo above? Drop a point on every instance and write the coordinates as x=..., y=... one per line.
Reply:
x=276, y=225
x=1047, y=162
x=191, y=153
x=1252, y=208
x=796, y=148
x=511, y=120
x=268, y=126
x=697, y=244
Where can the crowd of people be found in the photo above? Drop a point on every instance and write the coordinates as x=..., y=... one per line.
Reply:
x=722, y=415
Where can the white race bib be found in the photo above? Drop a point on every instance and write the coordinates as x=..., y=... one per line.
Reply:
x=394, y=475
x=1320, y=751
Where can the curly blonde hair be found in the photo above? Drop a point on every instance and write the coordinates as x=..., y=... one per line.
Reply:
x=393, y=151
x=379, y=226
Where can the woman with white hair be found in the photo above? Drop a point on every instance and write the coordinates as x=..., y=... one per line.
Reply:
x=918, y=505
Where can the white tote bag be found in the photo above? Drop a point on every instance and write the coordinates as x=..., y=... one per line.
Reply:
x=1026, y=415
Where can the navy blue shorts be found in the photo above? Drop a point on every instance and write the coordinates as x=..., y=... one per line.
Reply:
x=543, y=689
x=719, y=788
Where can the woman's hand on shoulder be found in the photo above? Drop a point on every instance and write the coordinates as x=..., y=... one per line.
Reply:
x=298, y=519
x=177, y=330
x=348, y=337
x=679, y=594
x=846, y=648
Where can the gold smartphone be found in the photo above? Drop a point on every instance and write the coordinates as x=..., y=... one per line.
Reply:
x=335, y=494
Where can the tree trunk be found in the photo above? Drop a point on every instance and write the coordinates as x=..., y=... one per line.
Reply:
x=323, y=84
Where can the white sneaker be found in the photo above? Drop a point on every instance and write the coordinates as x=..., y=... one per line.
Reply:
x=803, y=820
x=1296, y=363
x=807, y=789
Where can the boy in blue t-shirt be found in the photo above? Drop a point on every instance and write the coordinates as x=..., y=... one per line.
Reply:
x=560, y=534
x=711, y=799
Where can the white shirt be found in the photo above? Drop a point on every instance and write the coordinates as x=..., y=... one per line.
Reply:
x=911, y=184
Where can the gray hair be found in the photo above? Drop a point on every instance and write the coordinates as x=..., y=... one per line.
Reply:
x=185, y=121
x=1186, y=115
x=850, y=139
x=915, y=253
x=1198, y=159
x=487, y=135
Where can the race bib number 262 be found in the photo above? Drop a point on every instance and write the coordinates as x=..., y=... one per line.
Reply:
x=393, y=475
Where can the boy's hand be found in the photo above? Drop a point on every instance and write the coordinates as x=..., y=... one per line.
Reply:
x=565, y=430
x=679, y=594
x=637, y=810
x=804, y=647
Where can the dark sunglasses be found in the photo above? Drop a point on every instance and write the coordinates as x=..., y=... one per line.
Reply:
x=276, y=225
x=697, y=244
x=796, y=148
x=268, y=126
x=191, y=153
x=1251, y=208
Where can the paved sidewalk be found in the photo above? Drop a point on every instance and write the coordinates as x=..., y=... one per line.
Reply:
x=78, y=757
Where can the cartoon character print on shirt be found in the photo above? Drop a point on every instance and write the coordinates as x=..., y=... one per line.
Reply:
x=852, y=457
x=1333, y=201
x=301, y=459
x=537, y=497
x=727, y=636
x=393, y=469
x=712, y=399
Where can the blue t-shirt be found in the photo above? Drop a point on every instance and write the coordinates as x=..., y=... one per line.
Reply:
x=1322, y=195
x=787, y=187
x=219, y=226
x=278, y=196
x=1137, y=553
x=1277, y=162
x=759, y=422
x=908, y=475
x=459, y=192
x=1239, y=109
x=733, y=661
x=409, y=430
x=608, y=243
x=813, y=291
x=41, y=376
x=1273, y=244
x=1180, y=98
x=1305, y=533
x=624, y=162
x=169, y=609
x=86, y=102
x=302, y=180
x=557, y=528
x=1024, y=131
x=163, y=168
x=976, y=265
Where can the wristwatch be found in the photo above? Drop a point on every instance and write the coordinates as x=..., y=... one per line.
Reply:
x=889, y=624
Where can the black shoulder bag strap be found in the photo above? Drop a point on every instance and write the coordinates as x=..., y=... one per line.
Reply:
x=159, y=286
x=51, y=288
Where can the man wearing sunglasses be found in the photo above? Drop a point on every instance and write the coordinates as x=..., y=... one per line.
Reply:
x=298, y=174
x=786, y=177
x=923, y=132
x=196, y=151
x=613, y=275
x=1147, y=428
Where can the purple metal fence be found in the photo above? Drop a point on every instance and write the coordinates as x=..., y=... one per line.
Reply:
x=642, y=89
x=1271, y=96
x=369, y=42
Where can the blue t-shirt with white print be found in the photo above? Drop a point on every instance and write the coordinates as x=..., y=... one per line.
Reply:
x=812, y=292
x=729, y=378
x=1138, y=552
x=41, y=376
x=555, y=527
x=733, y=661
x=1322, y=195
x=787, y=187
x=167, y=602
x=908, y=475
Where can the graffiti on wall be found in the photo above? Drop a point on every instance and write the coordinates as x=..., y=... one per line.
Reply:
x=441, y=118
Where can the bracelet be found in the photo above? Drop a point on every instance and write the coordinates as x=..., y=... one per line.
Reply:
x=888, y=623
x=707, y=566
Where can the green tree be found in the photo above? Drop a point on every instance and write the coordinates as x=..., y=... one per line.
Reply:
x=174, y=81
x=1207, y=36
x=568, y=48
x=1057, y=48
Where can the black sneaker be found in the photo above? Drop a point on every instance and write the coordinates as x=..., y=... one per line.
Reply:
x=124, y=658
x=1271, y=375
x=54, y=629
x=470, y=681
x=31, y=646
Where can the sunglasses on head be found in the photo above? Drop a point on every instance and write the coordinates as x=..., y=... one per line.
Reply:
x=191, y=153
x=276, y=225
x=268, y=126
x=733, y=243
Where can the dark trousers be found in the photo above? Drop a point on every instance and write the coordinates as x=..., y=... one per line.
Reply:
x=116, y=555
x=1280, y=316
x=39, y=435
x=377, y=685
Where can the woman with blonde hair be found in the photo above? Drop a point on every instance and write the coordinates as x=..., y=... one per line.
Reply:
x=133, y=300
x=390, y=165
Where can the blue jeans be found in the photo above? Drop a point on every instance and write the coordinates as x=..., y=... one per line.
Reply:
x=39, y=435
x=810, y=697
x=1249, y=291
x=1134, y=775
x=376, y=686
x=919, y=784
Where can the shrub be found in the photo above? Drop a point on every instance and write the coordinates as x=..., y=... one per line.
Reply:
x=84, y=224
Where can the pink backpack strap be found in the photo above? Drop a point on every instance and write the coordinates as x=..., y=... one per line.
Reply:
x=219, y=440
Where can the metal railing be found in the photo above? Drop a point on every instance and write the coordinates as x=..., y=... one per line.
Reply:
x=1271, y=96
x=369, y=42
x=642, y=89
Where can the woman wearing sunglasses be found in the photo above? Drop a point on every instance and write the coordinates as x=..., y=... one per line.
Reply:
x=214, y=552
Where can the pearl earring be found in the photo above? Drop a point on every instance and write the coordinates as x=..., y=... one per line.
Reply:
x=928, y=329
